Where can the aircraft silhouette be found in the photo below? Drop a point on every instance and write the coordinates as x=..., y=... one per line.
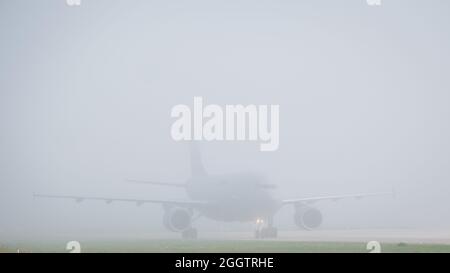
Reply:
x=242, y=197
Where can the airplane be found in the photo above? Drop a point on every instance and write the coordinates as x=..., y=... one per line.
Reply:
x=242, y=197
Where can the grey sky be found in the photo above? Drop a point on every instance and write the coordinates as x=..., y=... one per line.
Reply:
x=86, y=94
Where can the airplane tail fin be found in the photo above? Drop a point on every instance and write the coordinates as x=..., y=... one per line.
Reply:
x=197, y=168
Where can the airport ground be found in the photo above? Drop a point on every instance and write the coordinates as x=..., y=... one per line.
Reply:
x=417, y=241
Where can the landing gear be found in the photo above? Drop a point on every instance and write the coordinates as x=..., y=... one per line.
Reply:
x=263, y=232
x=266, y=232
x=190, y=233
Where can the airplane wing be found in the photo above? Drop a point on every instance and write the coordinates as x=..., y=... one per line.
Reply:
x=310, y=200
x=109, y=200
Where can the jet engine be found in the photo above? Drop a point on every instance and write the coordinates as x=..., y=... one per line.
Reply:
x=307, y=217
x=177, y=219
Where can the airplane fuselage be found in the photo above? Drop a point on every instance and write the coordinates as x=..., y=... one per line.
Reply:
x=239, y=197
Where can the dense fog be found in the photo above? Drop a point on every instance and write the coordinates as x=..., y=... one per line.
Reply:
x=86, y=94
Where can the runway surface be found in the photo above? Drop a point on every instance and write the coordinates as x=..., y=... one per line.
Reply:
x=343, y=240
x=357, y=235
x=413, y=236
x=382, y=235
